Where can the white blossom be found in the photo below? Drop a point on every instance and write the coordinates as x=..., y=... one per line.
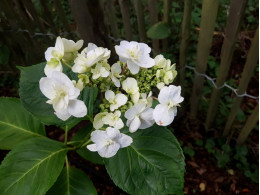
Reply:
x=101, y=70
x=131, y=87
x=71, y=49
x=161, y=62
x=53, y=56
x=108, y=142
x=147, y=99
x=135, y=55
x=115, y=100
x=113, y=120
x=90, y=56
x=139, y=116
x=115, y=74
x=169, y=98
x=62, y=95
x=98, y=120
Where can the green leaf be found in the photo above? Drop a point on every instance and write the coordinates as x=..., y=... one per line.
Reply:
x=35, y=102
x=84, y=152
x=160, y=30
x=16, y=124
x=72, y=181
x=152, y=164
x=32, y=167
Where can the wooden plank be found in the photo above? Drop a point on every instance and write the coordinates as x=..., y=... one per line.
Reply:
x=34, y=15
x=153, y=20
x=251, y=62
x=166, y=18
x=236, y=13
x=185, y=35
x=250, y=124
x=112, y=18
x=48, y=16
x=125, y=11
x=62, y=16
x=140, y=19
x=208, y=20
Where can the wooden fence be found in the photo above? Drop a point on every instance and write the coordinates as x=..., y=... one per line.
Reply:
x=95, y=20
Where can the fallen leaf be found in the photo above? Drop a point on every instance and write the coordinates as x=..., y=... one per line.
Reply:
x=193, y=164
x=202, y=187
x=230, y=171
x=201, y=171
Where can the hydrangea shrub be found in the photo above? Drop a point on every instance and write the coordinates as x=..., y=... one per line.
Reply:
x=128, y=105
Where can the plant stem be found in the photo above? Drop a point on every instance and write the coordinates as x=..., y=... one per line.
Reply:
x=66, y=64
x=66, y=160
x=123, y=72
x=86, y=143
x=66, y=135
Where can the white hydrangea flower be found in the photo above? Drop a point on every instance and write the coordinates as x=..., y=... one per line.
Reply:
x=131, y=87
x=71, y=49
x=108, y=142
x=115, y=100
x=161, y=62
x=53, y=56
x=139, y=116
x=135, y=55
x=115, y=74
x=147, y=99
x=160, y=85
x=113, y=120
x=90, y=56
x=167, y=74
x=101, y=70
x=169, y=98
x=62, y=94
x=98, y=120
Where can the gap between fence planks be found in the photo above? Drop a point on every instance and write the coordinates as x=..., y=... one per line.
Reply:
x=249, y=68
x=185, y=34
x=208, y=20
x=236, y=13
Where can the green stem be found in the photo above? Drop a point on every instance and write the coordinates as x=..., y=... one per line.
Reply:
x=90, y=119
x=66, y=135
x=86, y=143
x=66, y=64
x=66, y=160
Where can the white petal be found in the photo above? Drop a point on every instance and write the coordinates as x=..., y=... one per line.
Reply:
x=47, y=87
x=131, y=113
x=109, y=151
x=48, y=54
x=162, y=115
x=134, y=69
x=112, y=132
x=77, y=108
x=98, y=123
x=135, y=97
x=92, y=147
x=124, y=140
x=62, y=115
x=91, y=46
x=48, y=70
x=135, y=124
x=109, y=95
x=99, y=136
x=78, y=45
x=121, y=99
x=116, y=68
x=147, y=114
x=116, y=81
x=119, y=124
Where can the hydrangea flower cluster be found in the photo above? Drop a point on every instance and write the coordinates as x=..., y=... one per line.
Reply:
x=126, y=89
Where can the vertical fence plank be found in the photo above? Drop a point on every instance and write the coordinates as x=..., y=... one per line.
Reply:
x=208, y=20
x=112, y=18
x=185, y=34
x=60, y=11
x=250, y=124
x=236, y=12
x=250, y=65
x=124, y=8
x=32, y=11
x=47, y=14
x=166, y=18
x=154, y=20
x=140, y=20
